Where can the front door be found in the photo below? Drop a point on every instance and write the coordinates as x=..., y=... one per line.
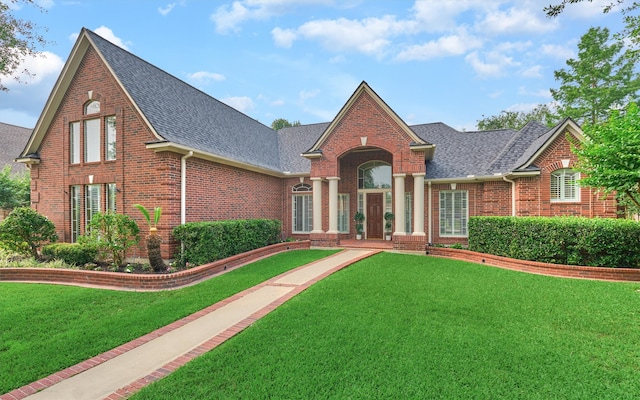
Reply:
x=374, y=215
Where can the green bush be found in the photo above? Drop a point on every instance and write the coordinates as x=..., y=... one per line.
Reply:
x=71, y=253
x=25, y=231
x=205, y=242
x=601, y=242
x=112, y=235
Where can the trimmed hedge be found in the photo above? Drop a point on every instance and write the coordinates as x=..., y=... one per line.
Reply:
x=71, y=253
x=205, y=242
x=596, y=242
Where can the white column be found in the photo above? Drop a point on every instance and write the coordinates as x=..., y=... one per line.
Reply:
x=317, y=205
x=418, y=204
x=333, y=204
x=398, y=195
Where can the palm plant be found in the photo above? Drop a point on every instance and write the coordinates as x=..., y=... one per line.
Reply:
x=153, y=240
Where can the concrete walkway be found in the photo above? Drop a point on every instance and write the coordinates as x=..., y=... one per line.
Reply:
x=123, y=371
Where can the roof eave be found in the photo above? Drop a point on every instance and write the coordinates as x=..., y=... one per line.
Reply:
x=159, y=146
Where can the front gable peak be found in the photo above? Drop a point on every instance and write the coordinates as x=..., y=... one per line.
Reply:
x=366, y=121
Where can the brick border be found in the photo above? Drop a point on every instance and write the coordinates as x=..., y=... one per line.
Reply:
x=205, y=347
x=559, y=270
x=142, y=282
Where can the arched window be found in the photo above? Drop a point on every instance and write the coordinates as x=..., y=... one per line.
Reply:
x=374, y=175
x=302, y=208
x=564, y=185
x=93, y=107
x=302, y=187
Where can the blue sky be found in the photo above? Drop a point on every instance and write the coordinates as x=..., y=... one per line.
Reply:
x=431, y=61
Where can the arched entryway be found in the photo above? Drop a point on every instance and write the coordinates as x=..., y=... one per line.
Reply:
x=375, y=196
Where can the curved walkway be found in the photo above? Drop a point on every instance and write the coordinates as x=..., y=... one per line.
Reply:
x=123, y=371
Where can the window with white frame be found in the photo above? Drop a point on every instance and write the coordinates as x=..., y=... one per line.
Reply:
x=454, y=213
x=564, y=185
x=111, y=197
x=408, y=212
x=302, y=213
x=110, y=138
x=92, y=202
x=75, y=212
x=343, y=213
x=74, y=143
x=92, y=140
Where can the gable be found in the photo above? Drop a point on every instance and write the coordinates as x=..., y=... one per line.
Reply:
x=366, y=121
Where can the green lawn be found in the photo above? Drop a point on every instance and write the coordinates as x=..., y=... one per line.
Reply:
x=46, y=328
x=399, y=326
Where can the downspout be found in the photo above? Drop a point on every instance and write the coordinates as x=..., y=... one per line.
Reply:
x=429, y=212
x=513, y=195
x=183, y=187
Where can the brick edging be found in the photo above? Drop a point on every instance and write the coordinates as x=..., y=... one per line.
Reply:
x=559, y=270
x=142, y=282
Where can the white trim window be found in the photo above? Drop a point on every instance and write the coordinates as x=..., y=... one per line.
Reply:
x=74, y=143
x=454, y=213
x=302, y=209
x=92, y=140
x=110, y=138
x=564, y=185
x=111, y=197
x=343, y=213
x=75, y=212
x=408, y=212
x=92, y=202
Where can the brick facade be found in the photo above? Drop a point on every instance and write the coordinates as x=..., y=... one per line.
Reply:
x=366, y=129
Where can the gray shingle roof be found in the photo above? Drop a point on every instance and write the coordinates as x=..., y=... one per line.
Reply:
x=185, y=115
x=13, y=140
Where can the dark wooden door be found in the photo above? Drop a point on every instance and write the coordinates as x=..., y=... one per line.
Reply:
x=374, y=216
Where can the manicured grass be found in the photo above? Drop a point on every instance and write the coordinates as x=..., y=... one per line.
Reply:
x=401, y=326
x=46, y=328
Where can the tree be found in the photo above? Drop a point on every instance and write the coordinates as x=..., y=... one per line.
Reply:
x=18, y=39
x=15, y=189
x=609, y=157
x=602, y=78
x=553, y=10
x=25, y=231
x=518, y=119
x=280, y=123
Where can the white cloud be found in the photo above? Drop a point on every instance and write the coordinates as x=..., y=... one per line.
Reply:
x=587, y=9
x=308, y=94
x=451, y=45
x=243, y=104
x=546, y=93
x=532, y=72
x=558, y=51
x=440, y=16
x=228, y=18
x=167, y=9
x=204, y=77
x=108, y=34
x=283, y=37
x=40, y=67
x=518, y=19
x=493, y=65
x=369, y=36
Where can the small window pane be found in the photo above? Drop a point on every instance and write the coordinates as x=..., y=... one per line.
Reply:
x=92, y=202
x=75, y=213
x=110, y=138
x=343, y=213
x=92, y=108
x=454, y=213
x=111, y=197
x=408, y=212
x=302, y=213
x=74, y=142
x=564, y=185
x=374, y=175
x=92, y=140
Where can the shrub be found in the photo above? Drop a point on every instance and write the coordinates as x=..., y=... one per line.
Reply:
x=204, y=242
x=601, y=242
x=71, y=253
x=112, y=235
x=25, y=231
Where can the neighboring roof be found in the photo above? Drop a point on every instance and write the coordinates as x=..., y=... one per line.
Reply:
x=12, y=141
x=185, y=118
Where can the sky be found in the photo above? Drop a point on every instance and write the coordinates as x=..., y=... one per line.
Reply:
x=450, y=61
